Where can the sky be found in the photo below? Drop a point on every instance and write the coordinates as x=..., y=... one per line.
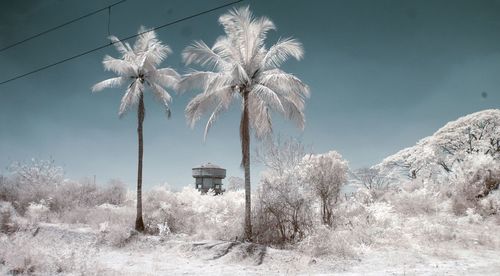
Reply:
x=383, y=74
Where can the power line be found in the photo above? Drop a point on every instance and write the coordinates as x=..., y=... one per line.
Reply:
x=60, y=26
x=123, y=39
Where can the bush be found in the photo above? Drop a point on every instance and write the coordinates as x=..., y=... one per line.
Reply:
x=23, y=253
x=115, y=235
x=283, y=210
x=471, y=180
x=114, y=193
x=123, y=216
x=8, y=218
x=325, y=241
x=41, y=182
x=190, y=212
x=37, y=212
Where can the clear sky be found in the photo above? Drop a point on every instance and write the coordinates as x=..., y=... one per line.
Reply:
x=383, y=74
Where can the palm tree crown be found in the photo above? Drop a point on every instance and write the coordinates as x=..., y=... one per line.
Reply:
x=241, y=63
x=137, y=67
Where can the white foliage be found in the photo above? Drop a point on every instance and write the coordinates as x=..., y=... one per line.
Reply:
x=190, y=212
x=241, y=63
x=138, y=68
x=432, y=156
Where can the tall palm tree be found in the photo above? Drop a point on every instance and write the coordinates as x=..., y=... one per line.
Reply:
x=242, y=67
x=137, y=68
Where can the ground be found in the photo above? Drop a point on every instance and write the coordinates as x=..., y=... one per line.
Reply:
x=80, y=251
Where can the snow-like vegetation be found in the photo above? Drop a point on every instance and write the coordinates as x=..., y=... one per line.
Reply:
x=437, y=154
x=444, y=221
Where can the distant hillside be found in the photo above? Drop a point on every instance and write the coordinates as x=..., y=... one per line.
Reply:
x=475, y=133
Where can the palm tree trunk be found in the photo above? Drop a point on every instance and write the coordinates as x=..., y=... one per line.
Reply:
x=139, y=223
x=245, y=150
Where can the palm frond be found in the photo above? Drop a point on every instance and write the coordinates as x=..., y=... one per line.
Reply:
x=167, y=77
x=119, y=66
x=268, y=96
x=211, y=120
x=284, y=82
x=260, y=119
x=228, y=51
x=295, y=114
x=131, y=97
x=282, y=51
x=120, y=46
x=201, y=54
x=146, y=36
x=162, y=96
x=194, y=80
x=109, y=83
x=200, y=104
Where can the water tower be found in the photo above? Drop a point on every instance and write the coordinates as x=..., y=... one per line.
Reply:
x=209, y=176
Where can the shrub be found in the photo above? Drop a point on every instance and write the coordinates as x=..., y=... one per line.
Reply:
x=114, y=193
x=115, y=235
x=471, y=180
x=283, y=210
x=8, y=218
x=31, y=182
x=189, y=212
x=325, y=241
x=38, y=212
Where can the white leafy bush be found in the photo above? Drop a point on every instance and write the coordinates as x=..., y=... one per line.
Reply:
x=42, y=182
x=190, y=212
x=38, y=211
x=472, y=179
x=46, y=254
x=325, y=241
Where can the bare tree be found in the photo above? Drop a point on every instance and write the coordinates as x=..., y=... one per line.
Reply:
x=372, y=178
x=280, y=154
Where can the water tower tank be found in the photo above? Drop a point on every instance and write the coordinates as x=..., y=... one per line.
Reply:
x=209, y=176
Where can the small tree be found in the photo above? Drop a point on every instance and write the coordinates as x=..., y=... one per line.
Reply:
x=325, y=174
x=372, y=178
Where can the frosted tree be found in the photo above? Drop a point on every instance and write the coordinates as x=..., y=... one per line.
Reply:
x=372, y=178
x=138, y=69
x=325, y=174
x=240, y=66
x=477, y=133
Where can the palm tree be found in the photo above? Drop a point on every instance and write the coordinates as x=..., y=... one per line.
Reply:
x=241, y=67
x=137, y=68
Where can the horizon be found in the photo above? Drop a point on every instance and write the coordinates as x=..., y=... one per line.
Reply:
x=385, y=77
